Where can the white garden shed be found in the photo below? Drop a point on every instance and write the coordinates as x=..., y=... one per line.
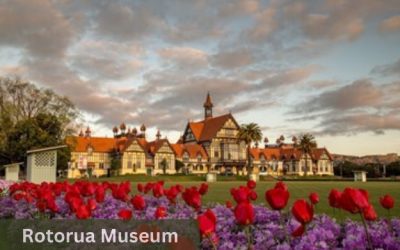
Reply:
x=12, y=171
x=42, y=164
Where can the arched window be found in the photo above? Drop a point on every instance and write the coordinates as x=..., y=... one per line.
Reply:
x=185, y=156
x=199, y=157
x=262, y=159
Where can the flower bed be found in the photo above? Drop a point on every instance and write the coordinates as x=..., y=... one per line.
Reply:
x=235, y=225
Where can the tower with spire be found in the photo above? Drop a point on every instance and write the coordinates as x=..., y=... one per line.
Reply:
x=208, y=105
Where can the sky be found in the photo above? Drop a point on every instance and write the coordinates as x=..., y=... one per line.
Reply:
x=330, y=68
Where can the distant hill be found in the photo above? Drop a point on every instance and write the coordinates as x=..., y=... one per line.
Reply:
x=361, y=160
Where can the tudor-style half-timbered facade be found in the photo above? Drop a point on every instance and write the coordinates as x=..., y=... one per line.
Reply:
x=134, y=154
x=218, y=136
x=211, y=144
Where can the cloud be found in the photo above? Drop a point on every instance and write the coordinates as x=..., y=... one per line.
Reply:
x=265, y=24
x=238, y=7
x=184, y=55
x=321, y=84
x=359, y=94
x=390, y=24
x=37, y=26
x=286, y=77
x=153, y=61
x=351, y=109
x=392, y=69
x=233, y=58
x=351, y=124
x=124, y=22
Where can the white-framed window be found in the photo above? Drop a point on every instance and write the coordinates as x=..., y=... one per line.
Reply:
x=185, y=156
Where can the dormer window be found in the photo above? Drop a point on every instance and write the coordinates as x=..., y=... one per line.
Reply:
x=199, y=157
x=90, y=150
x=185, y=156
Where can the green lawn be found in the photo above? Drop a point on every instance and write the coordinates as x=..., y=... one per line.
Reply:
x=220, y=192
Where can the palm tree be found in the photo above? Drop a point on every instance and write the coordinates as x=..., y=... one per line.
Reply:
x=306, y=144
x=249, y=133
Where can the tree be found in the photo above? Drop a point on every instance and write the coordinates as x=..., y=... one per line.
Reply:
x=32, y=117
x=249, y=133
x=393, y=169
x=306, y=144
x=164, y=165
x=178, y=165
x=115, y=163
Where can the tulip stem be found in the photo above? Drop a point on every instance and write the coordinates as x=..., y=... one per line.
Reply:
x=214, y=247
x=366, y=232
x=282, y=222
x=249, y=239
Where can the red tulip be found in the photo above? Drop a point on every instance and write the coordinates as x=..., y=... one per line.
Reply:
x=228, y=204
x=91, y=203
x=369, y=213
x=314, y=198
x=180, y=188
x=207, y=222
x=251, y=184
x=171, y=194
x=148, y=187
x=299, y=231
x=192, y=197
x=138, y=202
x=83, y=212
x=241, y=194
x=41, y=206
x=19, y=196
x=87, y=188
x=158, y=190
x=106, y=185
x=203, y=188
x=302, y=211
x=121, y=191
x=75, y=203
x=334, y=198
x=387, y=201
x=253, y=196
x=244, y=213
x=140, y=187
x=277, y=198
x=100, y=194
x=354, y=200
x=161, y=212
x=125, y=214
x=281, y=185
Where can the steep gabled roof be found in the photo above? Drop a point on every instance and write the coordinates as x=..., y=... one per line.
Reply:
x=125, y=144
x=154, y=146
x=255, y=153
x=286, y=153
x=268, y=153
x=207, y=129
x=99, y=144
x=197, y=129
x=291, y=153
x=318, y=152
x=192, y=149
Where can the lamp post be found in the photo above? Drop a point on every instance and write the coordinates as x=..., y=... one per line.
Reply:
x=384, y=170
